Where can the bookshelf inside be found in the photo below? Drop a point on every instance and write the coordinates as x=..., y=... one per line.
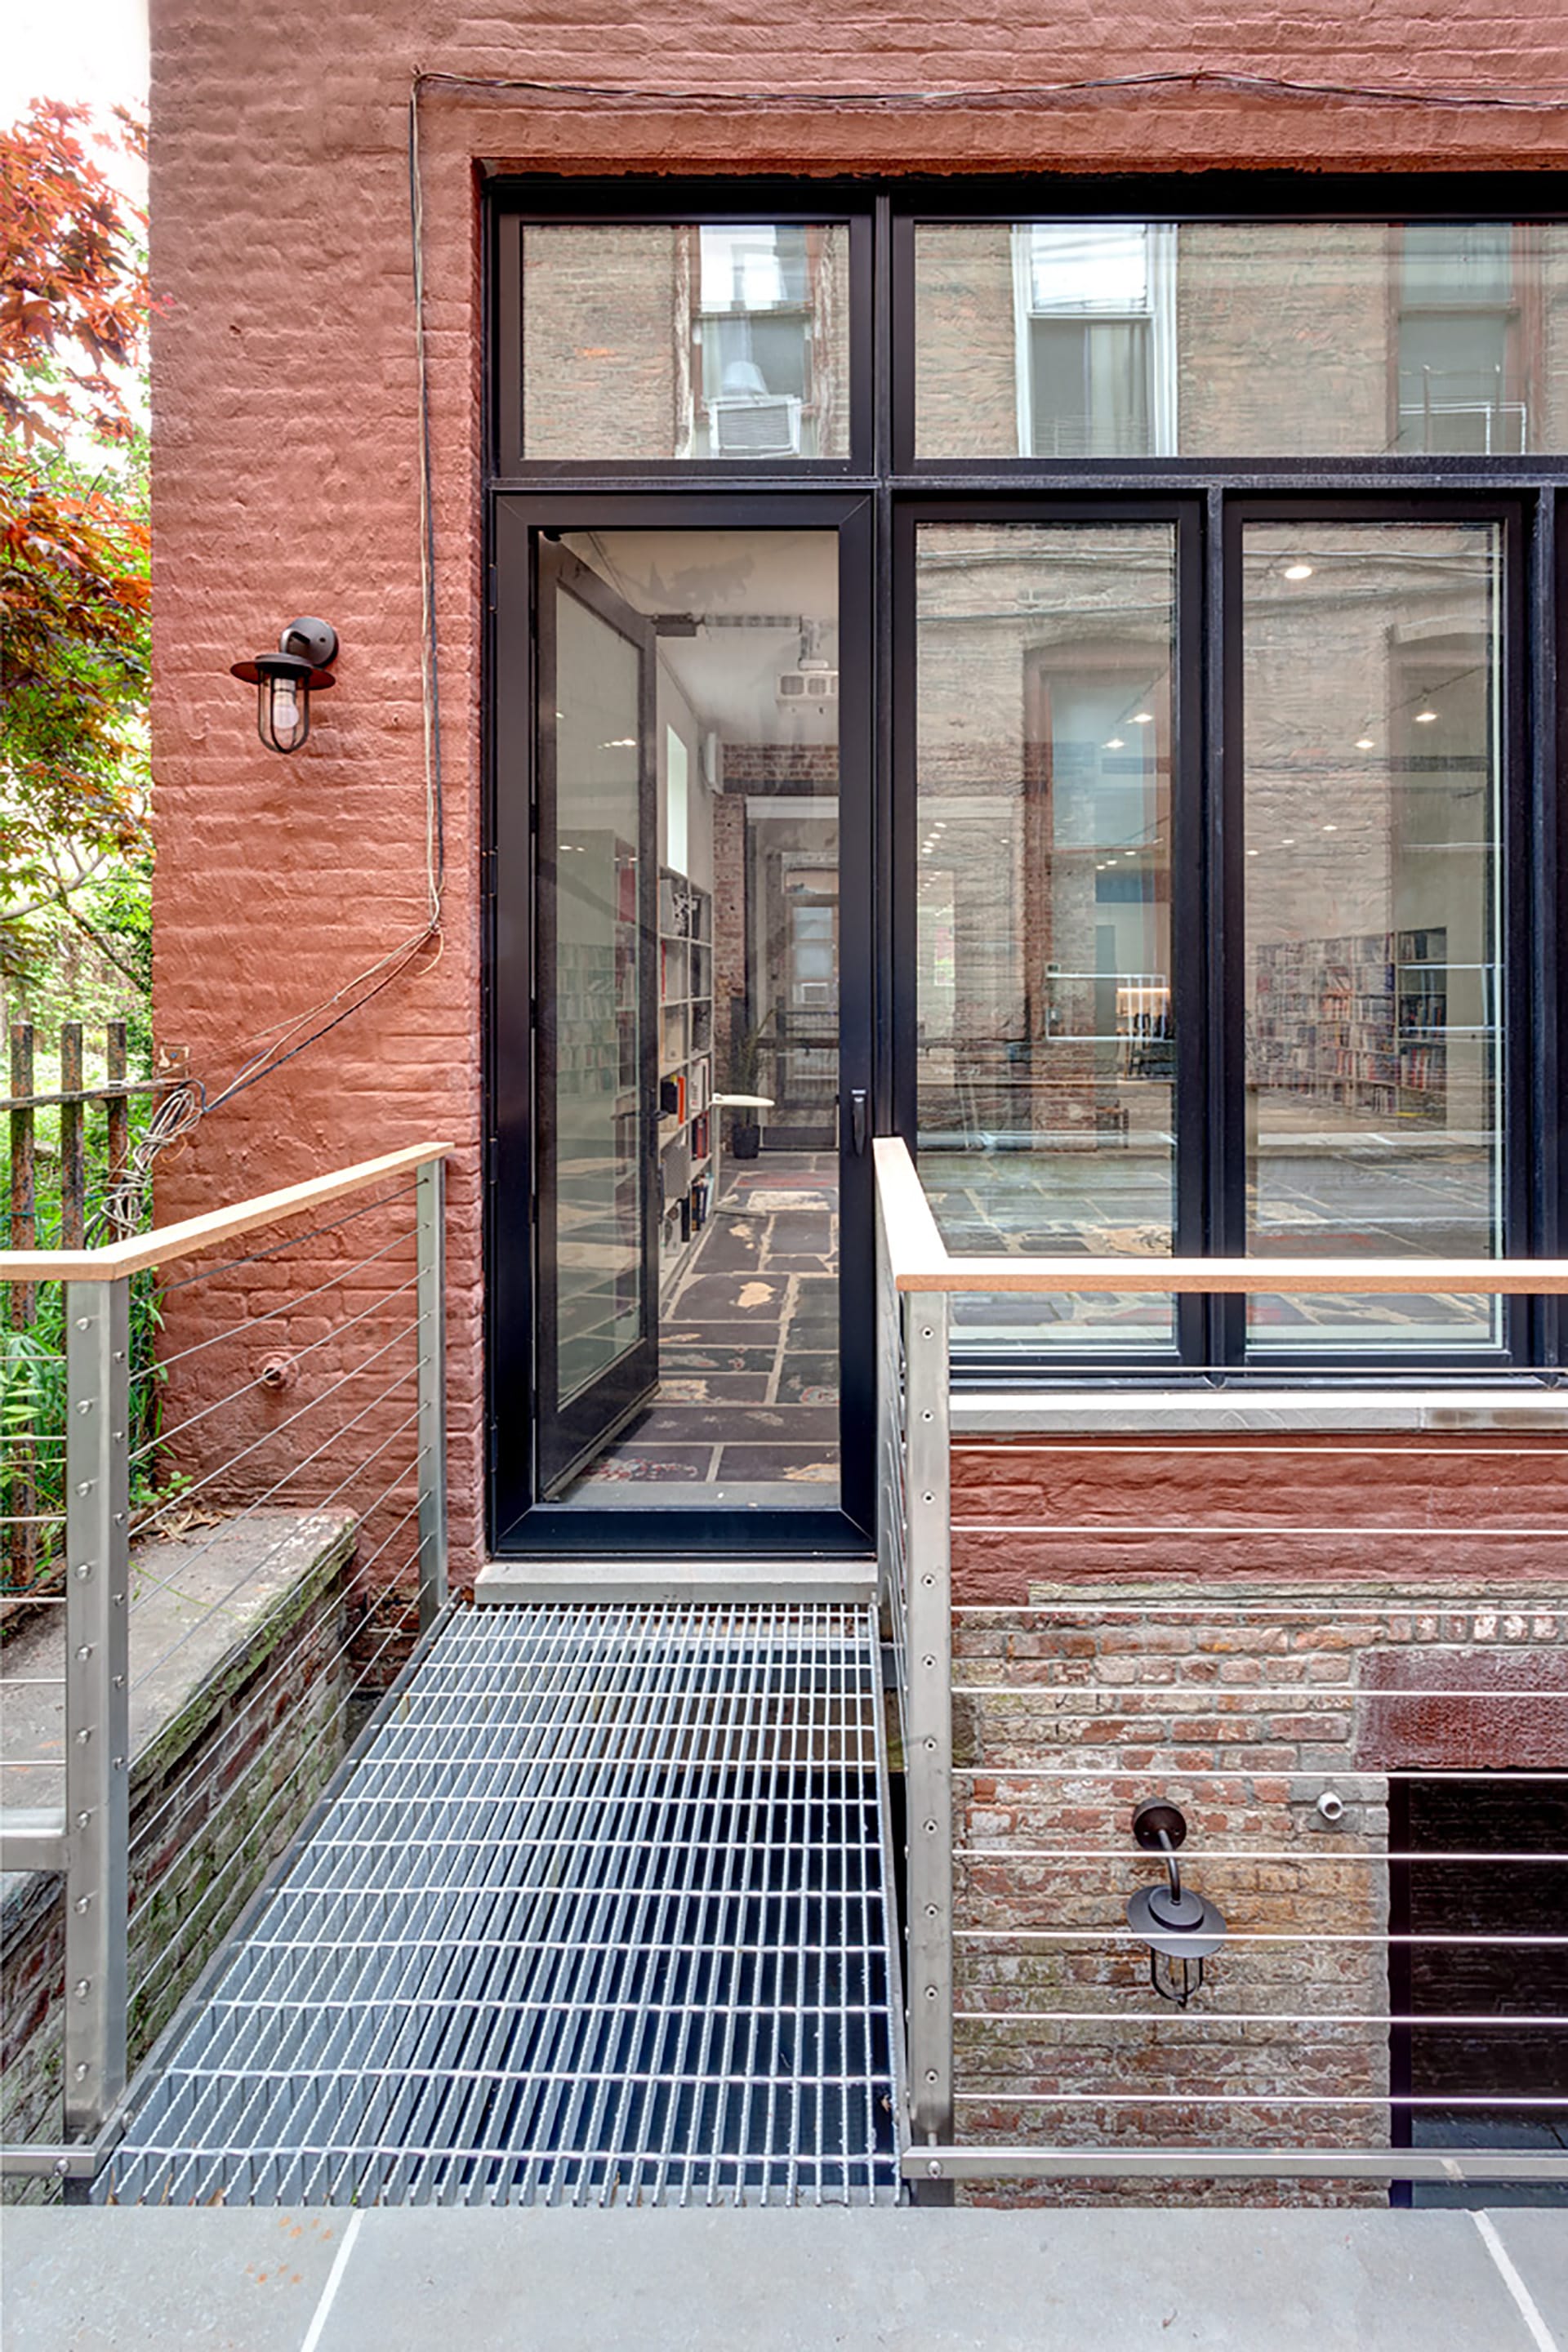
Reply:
x=1358, y=1020
x=685, y=1064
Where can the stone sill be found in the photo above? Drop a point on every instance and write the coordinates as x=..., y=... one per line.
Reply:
x=1177, y=1412
x=205, y=1613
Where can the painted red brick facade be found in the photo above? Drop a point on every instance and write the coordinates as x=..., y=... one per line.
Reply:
x=287, y=429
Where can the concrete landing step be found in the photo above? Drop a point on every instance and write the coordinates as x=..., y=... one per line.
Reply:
x=695, y=1583
x=910, y=2281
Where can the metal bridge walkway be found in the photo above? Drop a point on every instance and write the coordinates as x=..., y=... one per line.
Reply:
x=600, y=1915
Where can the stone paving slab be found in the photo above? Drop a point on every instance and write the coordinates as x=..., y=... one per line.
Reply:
x=779, y=2280
x=1536, y=2242
x=231, y=2281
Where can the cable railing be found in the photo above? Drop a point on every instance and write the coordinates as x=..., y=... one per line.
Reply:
x=246, y=1536
x=1245, y=1878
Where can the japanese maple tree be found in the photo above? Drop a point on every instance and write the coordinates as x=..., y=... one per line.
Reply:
x=74, y=538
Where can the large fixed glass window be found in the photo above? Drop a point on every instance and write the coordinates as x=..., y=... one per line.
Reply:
x=1108, y=1061
x=1045, y=1012
x=1375, y=1005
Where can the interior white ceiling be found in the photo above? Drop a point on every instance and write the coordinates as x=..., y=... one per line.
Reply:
x=771, y=580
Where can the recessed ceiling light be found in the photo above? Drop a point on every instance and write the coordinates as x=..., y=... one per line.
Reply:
x=1289, y=845
x=1330, y=828
x=1365, y=743
x=1252, y=853
x=1298, y=572
x=1142, y=719
x=1115, y=743
x=1424, y=718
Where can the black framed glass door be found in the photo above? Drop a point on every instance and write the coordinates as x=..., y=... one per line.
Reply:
x=596, y=1084
x=682, y=1355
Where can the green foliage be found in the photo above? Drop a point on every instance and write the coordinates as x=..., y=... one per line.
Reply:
x=91, y=962
x=33, y=1407
x=74, y=539
x=32, y=1392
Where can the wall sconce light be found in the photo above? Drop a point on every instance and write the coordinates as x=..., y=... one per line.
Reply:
x=1181, y=1929
x=285, y=681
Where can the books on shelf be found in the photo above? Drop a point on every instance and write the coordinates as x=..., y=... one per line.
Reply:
x=1358, y=1021
x=686, y=1068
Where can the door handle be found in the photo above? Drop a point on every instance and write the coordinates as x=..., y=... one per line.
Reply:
x=858, y=1119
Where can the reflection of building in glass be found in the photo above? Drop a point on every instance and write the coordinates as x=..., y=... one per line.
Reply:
x=1466, y=362
x=1123, y=338
x=685, y=341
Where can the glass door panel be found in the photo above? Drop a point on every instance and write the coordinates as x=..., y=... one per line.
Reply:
x=1047, y=1030
x=598, y=1327
x=1373, y=936
x=697, y=940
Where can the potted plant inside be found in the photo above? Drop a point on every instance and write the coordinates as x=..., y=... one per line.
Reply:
x=746, y=1070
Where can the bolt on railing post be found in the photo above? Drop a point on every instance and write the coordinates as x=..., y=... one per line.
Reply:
x=430, y=1224
x=929, y=1761
x=98, y=1705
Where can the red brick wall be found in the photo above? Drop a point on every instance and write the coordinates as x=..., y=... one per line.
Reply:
x=287, y=434
x=1208, y=1511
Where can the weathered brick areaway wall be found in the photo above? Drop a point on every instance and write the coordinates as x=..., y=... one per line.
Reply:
x=1236, y=1624
x=287, y=421
x=231, y=1757
x=1242, y=1705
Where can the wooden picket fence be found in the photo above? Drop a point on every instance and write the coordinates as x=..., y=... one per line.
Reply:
x=30, y=1450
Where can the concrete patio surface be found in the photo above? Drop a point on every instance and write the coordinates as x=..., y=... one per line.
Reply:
x=329, y=2279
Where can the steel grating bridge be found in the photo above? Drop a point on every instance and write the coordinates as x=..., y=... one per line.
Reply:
x=600, y=1915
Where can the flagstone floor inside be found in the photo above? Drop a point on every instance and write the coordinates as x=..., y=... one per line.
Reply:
x=748, y=1395
x=748, y=1392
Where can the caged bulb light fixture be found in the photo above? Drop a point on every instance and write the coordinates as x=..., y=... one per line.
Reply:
x=285, y=681
x=1181, y=1929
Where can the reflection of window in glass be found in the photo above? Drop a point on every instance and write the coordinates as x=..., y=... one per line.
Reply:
x=664, y=341
x=1460, y=388
x=754, y=333
x=1095, y=352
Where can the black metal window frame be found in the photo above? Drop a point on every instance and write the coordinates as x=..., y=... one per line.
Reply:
x=1210, y=500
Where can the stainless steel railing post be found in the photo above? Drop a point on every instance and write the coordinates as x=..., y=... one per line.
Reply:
x=430, y=1226
x=97, y=1708
x=928, y=1759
